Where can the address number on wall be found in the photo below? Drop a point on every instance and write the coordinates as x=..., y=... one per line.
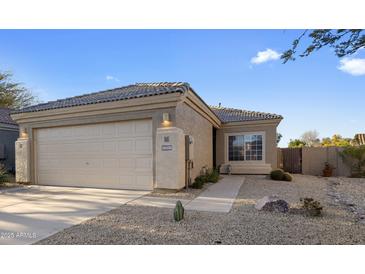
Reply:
x=166, y=147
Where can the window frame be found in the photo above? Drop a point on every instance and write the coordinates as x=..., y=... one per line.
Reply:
x=227, y=135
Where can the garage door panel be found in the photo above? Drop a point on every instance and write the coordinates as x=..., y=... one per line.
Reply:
x=66, y=148
x=126, y=146
x=143, y=180
x=107, y=179
x=109, y=147
x=49, y=163
x=110, y=155
x=125, y=129
x=127, y=163
x=143, y=145
x=143, y=128
x=85, y=148
x=143, y=164
x=110, y=163
x=109, y=130
x=85, y=132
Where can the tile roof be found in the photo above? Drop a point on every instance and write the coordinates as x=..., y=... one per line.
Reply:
x=227, y=115
x=5, y=117
x=137, y=90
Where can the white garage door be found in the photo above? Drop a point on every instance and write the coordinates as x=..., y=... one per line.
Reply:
x=111, y=155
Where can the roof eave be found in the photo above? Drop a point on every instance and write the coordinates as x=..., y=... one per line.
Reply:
x=150, y=102
x=6, y=126
x=253, y=122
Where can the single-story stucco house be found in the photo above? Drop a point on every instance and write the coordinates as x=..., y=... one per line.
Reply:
x=142, y=136
x=9, y=133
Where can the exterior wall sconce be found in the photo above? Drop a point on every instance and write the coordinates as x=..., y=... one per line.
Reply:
x=23, y=133
x=166, y=119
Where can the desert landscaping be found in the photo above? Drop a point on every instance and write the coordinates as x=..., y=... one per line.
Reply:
x=342, y=220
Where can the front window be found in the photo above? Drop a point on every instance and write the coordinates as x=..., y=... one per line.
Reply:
x=246, y=147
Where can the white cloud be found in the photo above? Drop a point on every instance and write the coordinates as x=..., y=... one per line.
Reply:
x=265, y=56
x=111, y=78
x=354, y=66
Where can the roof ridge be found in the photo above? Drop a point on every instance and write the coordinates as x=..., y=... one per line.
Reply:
x=242, y=110
x=162, y=84
x=227, y=114
x=151, y=84
x=136, y=90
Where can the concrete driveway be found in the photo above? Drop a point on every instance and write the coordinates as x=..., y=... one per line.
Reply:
x=30, y=214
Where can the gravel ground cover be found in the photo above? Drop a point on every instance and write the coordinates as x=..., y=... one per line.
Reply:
x=243, y=225
x=352, y=188
x=349, y=192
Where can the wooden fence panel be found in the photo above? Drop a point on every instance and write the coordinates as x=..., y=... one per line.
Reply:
x=292, y=160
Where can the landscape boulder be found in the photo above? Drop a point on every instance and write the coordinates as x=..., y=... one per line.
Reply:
x=272, y=203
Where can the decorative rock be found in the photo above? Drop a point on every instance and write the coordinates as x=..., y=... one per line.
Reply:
x=272, y=203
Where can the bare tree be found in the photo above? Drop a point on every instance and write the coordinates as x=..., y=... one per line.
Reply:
x=14, y=95
x=310, y=138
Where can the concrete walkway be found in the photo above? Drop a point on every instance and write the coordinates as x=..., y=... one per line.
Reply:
x=30, y=214
x=217, y=198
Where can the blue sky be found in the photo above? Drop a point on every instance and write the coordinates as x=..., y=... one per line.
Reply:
x=311, y=93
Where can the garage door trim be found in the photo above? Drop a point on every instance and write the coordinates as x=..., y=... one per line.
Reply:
x=147, y=164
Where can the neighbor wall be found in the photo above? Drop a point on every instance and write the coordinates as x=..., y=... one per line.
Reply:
x=7, y=143
x=314, y=159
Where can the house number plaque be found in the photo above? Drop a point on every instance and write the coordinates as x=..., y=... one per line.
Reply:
x=166, y=147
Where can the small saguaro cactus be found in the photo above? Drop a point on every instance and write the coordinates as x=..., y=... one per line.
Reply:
x=178, y=211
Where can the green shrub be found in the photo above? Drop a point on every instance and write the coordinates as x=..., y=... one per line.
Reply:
x=212, y=175
x=277, y=174
x=199, y=181
x=311, y=207
x=287, y=177
x=354, y=157
x=197, y=185
x=4, y=177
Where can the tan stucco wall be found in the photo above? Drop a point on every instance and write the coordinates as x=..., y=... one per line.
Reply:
x=170, y=158
x=314, y=159
x=22, y=158
x=270, y=138
x=201, y=129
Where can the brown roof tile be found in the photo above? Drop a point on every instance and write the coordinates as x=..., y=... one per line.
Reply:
x=227, y=115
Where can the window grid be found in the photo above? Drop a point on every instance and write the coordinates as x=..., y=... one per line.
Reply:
x=245, y=147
